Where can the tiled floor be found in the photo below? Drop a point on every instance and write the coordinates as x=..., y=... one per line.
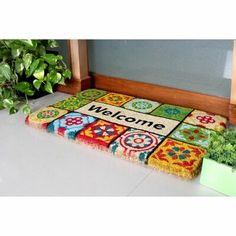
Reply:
x=35, y=163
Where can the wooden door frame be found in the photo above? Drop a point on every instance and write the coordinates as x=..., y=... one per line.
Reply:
x=78, y=57
x=232, y=107
x=78, y=60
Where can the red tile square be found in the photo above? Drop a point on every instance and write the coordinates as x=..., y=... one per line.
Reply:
x=100, y=134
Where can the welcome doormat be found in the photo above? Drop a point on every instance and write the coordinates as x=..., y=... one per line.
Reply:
x=164, y=136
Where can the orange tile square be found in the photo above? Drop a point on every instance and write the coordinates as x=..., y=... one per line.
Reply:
x=114, y=99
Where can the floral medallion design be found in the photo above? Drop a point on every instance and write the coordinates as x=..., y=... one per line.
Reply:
x=91, y=94
x=70, y=124
x=71, y=103
x=141, y=105
x=44, y=116
x=178, y=153
x=206, y=120
x=135, y=144
x=177, y=158
x=192, y=134
x=48, y=114
x=100, y=133
x=114, y=99
x=172, y=112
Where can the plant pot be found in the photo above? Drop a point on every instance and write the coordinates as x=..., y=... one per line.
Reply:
x=219, y=177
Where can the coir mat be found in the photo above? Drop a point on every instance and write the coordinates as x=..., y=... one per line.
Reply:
x=164, y=136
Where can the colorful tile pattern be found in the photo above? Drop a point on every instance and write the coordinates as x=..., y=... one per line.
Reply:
x=71, y=103
x=91, y=94
x=192, y=134
x=206, y=120
x=114, y=99
x=177, y=158
x=164, y=136
x=70, y=124
x=141, y=105
x=135, y=144
x=44, y=116
x=172, y=112
x=100, y=133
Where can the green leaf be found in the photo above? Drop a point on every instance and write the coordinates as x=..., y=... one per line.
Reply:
x=27, y=42
x=15, y=77
x=59, y=57
x=27, y=60
x=12, y=110
x=37, y=83
x=8, y=42
x=19, y=65
x=26, y=109
x=33, y=67
x=67, y=73
x=52, y=77
x=6, y=93
x=48, y=87
x=62, y=81
x=41, y=50
x=59, y=76
x=1, y=105
x=53, y=44
x=22, y=86
x=5, y=54
x=15, y=52
x=8, y=103
x=50, y=58
x=25, y=87
x=5, y=70
x=29, y=92
x=39, y=72
x=2, y=79
x=58, y=67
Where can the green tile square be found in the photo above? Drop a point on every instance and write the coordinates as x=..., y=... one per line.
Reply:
x=91, y=94
x=172, y=112
x=192, y=134
x=71, y=103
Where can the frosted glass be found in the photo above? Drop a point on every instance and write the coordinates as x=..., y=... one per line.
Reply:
x=198, y=65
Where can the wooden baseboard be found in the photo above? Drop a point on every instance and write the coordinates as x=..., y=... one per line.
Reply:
x=213, y=104
x=232, y=114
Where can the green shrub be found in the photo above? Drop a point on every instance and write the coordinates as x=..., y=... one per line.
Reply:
x=27, y=67
x=223, y=147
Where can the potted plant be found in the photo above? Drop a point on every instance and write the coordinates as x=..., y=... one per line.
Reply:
x=219, y=164
x=28, y=69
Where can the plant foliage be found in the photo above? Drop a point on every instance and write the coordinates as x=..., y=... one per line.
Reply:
x=223, y=147
x=26, y=67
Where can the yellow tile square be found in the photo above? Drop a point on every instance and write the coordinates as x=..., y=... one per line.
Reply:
x=177, y=158
x=115, y=99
